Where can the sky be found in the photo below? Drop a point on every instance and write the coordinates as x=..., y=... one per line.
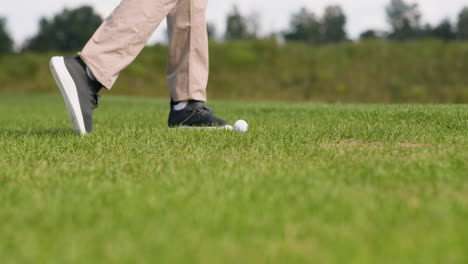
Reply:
x=23, y=15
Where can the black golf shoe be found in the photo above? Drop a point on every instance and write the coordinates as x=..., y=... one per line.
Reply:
x=196, y=115
x=79, y=92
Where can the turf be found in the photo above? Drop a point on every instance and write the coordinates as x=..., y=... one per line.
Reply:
x=309, y=183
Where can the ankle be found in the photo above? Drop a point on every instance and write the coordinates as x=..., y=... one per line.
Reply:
x=178, y=106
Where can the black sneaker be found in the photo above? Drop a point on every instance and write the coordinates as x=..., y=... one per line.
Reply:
x=196, y=115
x=78, y=90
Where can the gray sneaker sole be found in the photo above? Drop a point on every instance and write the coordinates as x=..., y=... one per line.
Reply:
x=70, y=95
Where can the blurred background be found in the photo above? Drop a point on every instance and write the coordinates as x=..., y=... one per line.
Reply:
x=342, y=51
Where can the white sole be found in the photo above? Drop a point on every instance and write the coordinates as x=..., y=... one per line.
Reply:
x=228, y=127
x=70, y=95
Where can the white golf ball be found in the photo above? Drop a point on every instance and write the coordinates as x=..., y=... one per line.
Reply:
x=241, y=126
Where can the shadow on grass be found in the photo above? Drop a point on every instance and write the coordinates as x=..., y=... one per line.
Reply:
x=56, y=132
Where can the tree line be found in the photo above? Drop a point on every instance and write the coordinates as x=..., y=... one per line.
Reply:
x=70, y=29
x=406, y=23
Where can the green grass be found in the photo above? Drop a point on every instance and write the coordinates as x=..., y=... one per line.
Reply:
x=420, y=71
x=309, y=183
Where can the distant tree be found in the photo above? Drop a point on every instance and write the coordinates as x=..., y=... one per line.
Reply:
x=239, y=27
x=462, y=25
x=304, y=26
x=6, y=43
x=334, y=22
x=67, y=31
x=404, y=19
x=368, y=34
x=211, y=29
x=427, y=31
x=444, y=31
x=372, y=34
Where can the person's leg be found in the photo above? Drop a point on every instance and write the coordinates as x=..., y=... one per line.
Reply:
x=187, y=68
x=113, y=47
x=116, y=44
x=122, y=36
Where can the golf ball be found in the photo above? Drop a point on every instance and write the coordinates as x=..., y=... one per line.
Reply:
x=241, y=126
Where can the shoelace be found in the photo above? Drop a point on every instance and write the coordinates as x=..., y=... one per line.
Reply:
x=199, y=108
x=95, y=99
x=196, y=108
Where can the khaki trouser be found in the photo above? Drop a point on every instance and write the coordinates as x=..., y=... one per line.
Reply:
x=125, y=32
